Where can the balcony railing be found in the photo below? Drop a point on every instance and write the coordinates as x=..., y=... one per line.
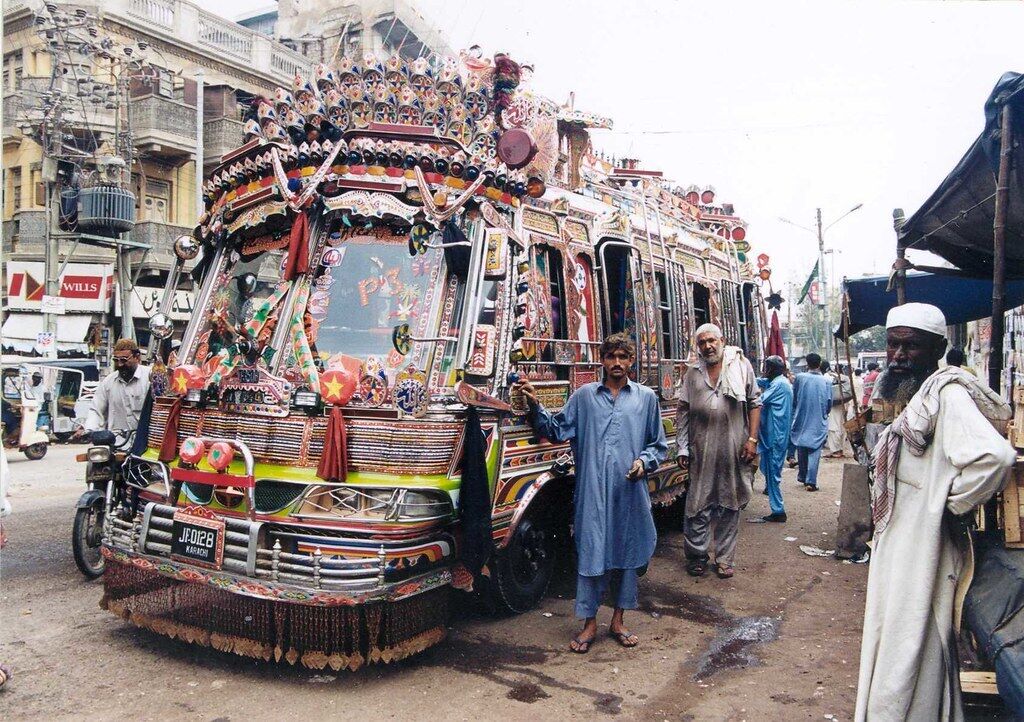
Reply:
x=160, y=237
x=219, y=137
x=191, y=27
x=164, y=126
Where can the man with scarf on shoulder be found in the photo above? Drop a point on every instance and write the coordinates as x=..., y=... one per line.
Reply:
x=717, y=424
x=942, y=456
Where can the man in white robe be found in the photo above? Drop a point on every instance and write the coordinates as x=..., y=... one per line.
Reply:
x=943, y=456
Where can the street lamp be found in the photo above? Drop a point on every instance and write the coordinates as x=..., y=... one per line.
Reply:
x=820, y=232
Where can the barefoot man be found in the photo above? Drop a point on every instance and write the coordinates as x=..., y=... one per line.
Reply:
x=617, y=439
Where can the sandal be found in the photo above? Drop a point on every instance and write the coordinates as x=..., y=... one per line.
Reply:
x=724, y=571
x=696, y=568
x=623, y=638
x=582, y=645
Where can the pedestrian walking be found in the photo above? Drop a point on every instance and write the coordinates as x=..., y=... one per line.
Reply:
x=717, y=425
x=869, y=385
x=773, y=436
x=836, y=439
x=940, y=458
x=617, y=439
x=812, y=402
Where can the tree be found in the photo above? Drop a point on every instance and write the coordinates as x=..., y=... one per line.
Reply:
x=870, y=339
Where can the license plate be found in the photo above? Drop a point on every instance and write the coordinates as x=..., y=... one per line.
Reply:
x=197, y=537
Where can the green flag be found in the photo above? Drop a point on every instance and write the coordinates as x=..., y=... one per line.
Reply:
x=807, y=286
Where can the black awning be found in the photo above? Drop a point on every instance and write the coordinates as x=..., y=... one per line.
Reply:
x=956, y=221
x=961, y=299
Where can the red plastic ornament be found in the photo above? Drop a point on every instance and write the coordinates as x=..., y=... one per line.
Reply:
x=221, y=455
x=337, y=386
x=516, y=148
x=192, y=450
x=185, y=378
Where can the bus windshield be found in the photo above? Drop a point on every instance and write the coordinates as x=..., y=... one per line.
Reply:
x=363, y=287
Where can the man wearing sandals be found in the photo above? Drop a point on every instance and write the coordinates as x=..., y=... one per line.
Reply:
x=717, y=425
x=617, y=439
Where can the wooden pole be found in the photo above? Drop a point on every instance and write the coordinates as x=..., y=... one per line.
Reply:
x=995, y=365
x=900, y=279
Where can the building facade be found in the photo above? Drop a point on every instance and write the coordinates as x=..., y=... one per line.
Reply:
x=200, y=66
x=325, y=30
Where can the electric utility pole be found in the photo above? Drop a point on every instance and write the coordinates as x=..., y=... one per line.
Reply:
x=823, y=285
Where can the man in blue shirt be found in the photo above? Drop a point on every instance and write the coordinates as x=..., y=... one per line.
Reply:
x=773, y=439
x=812, y=402
x=617, y=439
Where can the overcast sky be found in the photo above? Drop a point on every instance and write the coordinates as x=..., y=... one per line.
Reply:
x=783, y=107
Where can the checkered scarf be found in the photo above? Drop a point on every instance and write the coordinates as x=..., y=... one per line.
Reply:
x=916, y=426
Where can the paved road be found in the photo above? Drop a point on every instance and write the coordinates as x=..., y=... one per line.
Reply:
x=779, y=641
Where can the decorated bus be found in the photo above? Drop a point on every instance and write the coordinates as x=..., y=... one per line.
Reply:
x=333, y=447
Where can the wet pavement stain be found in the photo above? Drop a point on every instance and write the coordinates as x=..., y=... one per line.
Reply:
x=731, y=649
x=668, y=601
x=608, y=703
x=503, y=664
x=527, y=692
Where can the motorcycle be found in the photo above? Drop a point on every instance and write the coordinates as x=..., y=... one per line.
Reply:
x=105, y=461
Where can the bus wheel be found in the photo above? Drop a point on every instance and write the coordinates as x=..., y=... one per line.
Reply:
x=523, y=568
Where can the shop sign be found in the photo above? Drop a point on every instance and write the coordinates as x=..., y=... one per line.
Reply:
x=83, y=286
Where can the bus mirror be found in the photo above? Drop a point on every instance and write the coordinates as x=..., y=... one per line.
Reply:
x=401, y=338
x=161, y=326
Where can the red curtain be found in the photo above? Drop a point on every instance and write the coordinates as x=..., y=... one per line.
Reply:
x=334, y=461
x=169, y=445
x=775, y=347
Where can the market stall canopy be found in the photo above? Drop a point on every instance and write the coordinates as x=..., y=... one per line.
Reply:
x=956, y=221
x=21, y=332
x=961, y=299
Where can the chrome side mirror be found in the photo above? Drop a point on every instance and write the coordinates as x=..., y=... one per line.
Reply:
x=161, y=326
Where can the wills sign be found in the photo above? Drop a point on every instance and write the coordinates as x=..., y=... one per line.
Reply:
x=84, y=286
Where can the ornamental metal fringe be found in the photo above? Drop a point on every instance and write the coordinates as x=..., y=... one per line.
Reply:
x=316, y=637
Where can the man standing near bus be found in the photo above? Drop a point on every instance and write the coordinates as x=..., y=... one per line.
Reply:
x=717, y=426
x=617, y=439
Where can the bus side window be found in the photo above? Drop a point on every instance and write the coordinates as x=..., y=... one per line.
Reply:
x=618, y=285
x=550, y=287
x=682, y=306
x=701, y=304
x=587, y=314
x=666, y=317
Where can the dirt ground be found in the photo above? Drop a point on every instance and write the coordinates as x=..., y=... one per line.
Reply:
x=779, y=641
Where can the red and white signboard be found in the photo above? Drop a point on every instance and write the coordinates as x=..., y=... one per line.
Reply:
x=84, y=286
x=814, y=293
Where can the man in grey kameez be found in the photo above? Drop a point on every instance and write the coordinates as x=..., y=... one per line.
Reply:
x=717, y=425
x=617, y=439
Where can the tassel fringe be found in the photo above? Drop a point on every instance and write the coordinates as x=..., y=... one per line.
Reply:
x=316, y=637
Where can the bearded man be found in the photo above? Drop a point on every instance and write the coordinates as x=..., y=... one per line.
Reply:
x=717, y=423
x=943, y=455
x=117, y=403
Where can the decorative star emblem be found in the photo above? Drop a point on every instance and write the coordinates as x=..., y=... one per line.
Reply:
x=333, y=387
x=180, y=382
x=775, y=301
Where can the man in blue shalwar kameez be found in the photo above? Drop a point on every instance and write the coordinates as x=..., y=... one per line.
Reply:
x=617, y=439
x=773, y=438
x=812, y=403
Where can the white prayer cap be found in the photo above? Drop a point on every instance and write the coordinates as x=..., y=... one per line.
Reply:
x=923, y=316
x=708, y=328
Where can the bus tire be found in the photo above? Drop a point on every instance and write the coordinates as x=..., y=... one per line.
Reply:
x=523, y=569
